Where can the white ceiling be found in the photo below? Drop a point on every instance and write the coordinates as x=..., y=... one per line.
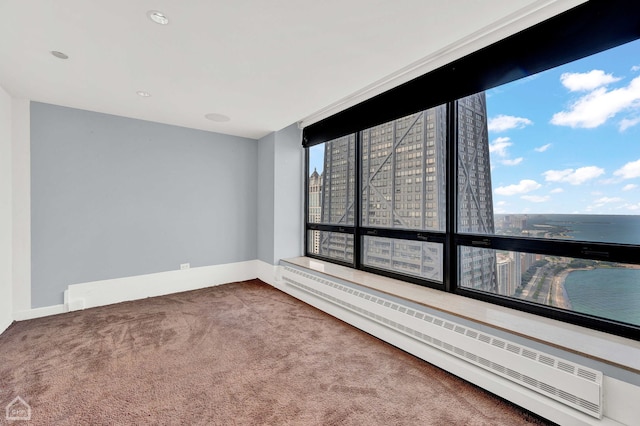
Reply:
x=264, y=63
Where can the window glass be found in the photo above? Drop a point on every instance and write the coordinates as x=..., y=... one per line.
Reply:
x=334, y=245
x=403, y=160
x=332, y=182
x=563, y=157
x=609, y=290
x=475, y=205
x=555, y=155
x=416, y=258
x=314, y=191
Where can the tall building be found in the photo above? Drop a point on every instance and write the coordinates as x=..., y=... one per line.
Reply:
x=516, y=273
x=315, y=208
x=338, y=197
x=403, y=186
x=475, y=199
x=508, y=272
x=528, y=259
x=503, y=272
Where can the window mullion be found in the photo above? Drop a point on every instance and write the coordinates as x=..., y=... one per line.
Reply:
x=306, y=201
x=451, y=154
x=357, y=204
x=394, y=180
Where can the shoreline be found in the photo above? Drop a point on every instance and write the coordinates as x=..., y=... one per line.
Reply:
x=561, y=298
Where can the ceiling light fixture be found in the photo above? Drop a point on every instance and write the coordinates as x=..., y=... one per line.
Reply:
x=220, y=118
x=143, y=93
x=59, y=55
x=158, y=17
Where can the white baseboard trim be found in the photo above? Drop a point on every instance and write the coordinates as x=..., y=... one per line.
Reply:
x=106, y=292
x=39, y=312
x=4, y=325
x=268, y=273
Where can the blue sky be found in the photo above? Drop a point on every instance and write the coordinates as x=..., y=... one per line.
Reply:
x=316, y=158
x=566, y=140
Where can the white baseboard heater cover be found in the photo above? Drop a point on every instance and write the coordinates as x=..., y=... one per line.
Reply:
x=572, y=384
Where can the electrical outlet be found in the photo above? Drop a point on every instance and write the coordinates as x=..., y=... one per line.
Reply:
x=185, y=266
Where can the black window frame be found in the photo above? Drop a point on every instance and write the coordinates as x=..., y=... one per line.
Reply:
x=587, y=29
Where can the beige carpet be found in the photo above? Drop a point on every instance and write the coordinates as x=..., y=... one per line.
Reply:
x=238, y=354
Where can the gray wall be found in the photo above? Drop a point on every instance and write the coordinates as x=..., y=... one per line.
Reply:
x=115, y=197
x=266, y=198
x=289, y=193
x=6, y=298
x=280, y=195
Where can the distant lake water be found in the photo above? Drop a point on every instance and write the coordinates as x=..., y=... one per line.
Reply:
x=608, y=293
x=601, y=228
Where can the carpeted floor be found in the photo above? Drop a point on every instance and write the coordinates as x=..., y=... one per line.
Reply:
x=238, y=354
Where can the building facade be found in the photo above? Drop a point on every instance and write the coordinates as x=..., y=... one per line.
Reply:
x=403, y=187
x=315, y=209
x=475, y=199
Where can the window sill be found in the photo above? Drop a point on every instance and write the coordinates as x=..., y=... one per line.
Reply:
x=606, y=348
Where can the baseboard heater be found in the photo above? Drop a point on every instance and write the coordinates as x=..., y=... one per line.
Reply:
x=572, y=384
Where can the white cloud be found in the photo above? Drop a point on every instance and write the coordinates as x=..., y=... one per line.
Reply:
x=635, y=68
x=501, y=203
x=579, y=81
x=513, y=162
x=557, y=191
x=596, y=107
x=625, y=123
x=600, y=202
x=536, y=198
x=501, y=123
x=609, y=181
x=499, y=146
x=607, y=200
x=526, y=185
x=543, y=148
x=630, y=207
x=629, y=187
x=574, y=177
x=629, y=171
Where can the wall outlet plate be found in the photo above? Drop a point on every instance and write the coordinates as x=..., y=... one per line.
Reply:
x=185, y=266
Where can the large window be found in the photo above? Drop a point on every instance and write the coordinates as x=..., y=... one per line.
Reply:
x=331, y=199
x=526, y=193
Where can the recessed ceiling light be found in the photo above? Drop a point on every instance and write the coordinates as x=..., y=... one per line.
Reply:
x=158, y=17
x=143, y=93
x=220, y=118
x=59, y=55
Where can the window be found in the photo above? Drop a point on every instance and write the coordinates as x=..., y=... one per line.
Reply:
x=525, y=193
x=563, y=167
x=331, y=198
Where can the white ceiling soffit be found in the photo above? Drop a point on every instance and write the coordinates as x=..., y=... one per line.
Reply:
x=263, y=64
x=526, y=17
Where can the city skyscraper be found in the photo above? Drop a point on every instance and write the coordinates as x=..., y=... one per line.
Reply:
x=475, y=195
x=508, y=272
x=403, y=184
x=338, y=197
x=315, y=208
